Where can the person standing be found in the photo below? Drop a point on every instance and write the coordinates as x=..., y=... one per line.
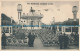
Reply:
x=29, y=41
x=3, y=40
x=31, y=38
x=66, y=41
x=76, y=39
x=61, y=41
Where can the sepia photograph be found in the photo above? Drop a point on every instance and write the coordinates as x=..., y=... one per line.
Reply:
x=39, y=25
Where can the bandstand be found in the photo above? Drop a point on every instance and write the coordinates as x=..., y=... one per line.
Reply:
x=31, y=20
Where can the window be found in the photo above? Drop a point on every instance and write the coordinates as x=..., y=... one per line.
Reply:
x=68, y=29
x=7, y=29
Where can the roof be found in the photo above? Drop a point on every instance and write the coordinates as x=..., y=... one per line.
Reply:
x=5, y=20
x=58, y=23
x=71, y=22
x=31, y=15
x=68, y=22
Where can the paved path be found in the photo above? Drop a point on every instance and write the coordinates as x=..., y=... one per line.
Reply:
x=38, y=44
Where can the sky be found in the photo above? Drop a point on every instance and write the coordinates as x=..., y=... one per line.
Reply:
x=60, y=10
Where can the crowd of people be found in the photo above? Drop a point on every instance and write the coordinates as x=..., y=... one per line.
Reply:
x=47, y=37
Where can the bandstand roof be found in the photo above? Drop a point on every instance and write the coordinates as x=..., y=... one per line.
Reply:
x=31, y=15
